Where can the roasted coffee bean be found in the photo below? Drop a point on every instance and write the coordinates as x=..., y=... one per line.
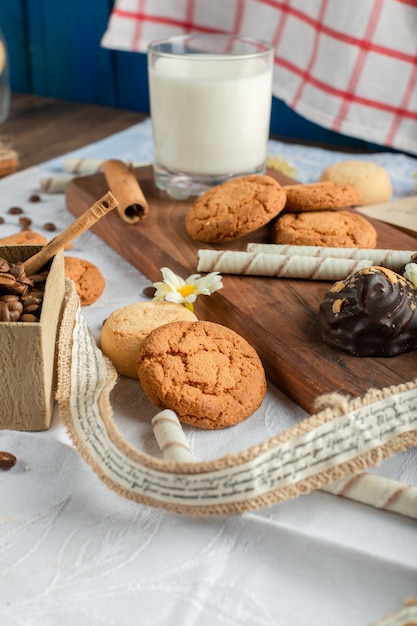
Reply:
x=29, y=317
x=15, y=310
x=39, y=279
x=18, y=270
x=7, y=281
x=20, y=289
x=1, y=220
x=31, y=308
x=30, y=299
x=49, y=226
x=4, y=265
x=34, y=198
x=4, y=312
x=25, y=222
x=7, y=460
x=15, y=210
x=8, y=297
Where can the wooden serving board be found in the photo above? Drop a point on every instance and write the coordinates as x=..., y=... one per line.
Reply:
x=277, y=316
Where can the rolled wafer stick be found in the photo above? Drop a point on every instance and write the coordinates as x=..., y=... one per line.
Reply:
x=277, y=265
x=82, y=166
x=392, y=259
x=378, y=491
x=55, y=184
x=92, y=166
x=171, y=438
x=121, y=180
x=106, y=204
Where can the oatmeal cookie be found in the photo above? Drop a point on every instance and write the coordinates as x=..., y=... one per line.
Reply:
x=208, y=374
x=319, y=196
x=235, y=208
x=89, y=281
x=337, y=229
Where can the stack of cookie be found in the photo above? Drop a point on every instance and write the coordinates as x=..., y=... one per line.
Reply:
x=318, y=214
x=311, y=218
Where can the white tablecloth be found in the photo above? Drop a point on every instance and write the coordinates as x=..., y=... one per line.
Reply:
x=74, y=553
x=350, y=67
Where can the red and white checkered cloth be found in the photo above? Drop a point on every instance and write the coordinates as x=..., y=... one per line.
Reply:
x=348, y=66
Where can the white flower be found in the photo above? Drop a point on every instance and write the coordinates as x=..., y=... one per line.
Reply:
x=410, y=273
x=175, y=289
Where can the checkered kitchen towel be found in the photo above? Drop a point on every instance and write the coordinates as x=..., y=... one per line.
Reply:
x=349, y=66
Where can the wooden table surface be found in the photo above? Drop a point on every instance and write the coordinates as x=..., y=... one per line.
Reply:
x=44, y=128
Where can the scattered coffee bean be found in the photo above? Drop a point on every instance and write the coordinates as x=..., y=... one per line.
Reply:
x=149, y=292
x=49, y=226
x=1, y=220
x=15, y=210
x=34, y=198
x=7, y=460
x=25, y=222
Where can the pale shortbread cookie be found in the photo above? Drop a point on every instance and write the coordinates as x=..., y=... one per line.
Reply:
x=125, y=329
x=369, y=178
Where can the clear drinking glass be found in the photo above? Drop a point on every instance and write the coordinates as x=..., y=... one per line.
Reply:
x=4, y=80
x=210, y=101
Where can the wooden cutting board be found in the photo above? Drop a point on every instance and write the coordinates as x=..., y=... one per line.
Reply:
x=277, y=316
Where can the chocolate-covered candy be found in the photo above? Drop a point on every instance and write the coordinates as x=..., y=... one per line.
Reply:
x=373, y=312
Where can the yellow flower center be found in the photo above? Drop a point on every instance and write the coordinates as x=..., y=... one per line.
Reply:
x=186, y=290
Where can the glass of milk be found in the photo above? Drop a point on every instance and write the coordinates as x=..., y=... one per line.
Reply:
x=210, y=102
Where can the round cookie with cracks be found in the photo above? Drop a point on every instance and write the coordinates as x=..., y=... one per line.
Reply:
x=235, y=208
x=318, y=196
x=89, y=281
x=208, y=374
x=337, y=229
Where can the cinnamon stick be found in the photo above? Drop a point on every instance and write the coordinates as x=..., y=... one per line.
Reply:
x=106, y=204
x=121, y=180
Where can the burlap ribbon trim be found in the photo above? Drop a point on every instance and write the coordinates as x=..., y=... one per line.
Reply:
x=332, y=444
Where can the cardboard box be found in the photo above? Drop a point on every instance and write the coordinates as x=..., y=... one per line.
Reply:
x=28, y=352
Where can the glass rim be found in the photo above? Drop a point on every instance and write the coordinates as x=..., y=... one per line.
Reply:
x=262, y=43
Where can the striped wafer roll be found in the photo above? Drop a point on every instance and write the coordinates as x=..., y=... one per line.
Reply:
x=55, y=184
x=171, y=438
x=392, y=259
x=91, y=166
x=277, y=265
x=378, y=491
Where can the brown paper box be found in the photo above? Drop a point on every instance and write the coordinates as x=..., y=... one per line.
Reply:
x=28, y=353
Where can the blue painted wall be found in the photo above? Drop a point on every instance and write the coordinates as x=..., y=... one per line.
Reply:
x=54, y=50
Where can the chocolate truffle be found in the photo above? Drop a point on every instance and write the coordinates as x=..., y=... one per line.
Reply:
x=373, y=312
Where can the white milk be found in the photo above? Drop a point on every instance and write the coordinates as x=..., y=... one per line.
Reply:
x=210, y=118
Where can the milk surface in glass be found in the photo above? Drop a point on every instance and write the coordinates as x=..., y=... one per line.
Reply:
x=210, y=118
